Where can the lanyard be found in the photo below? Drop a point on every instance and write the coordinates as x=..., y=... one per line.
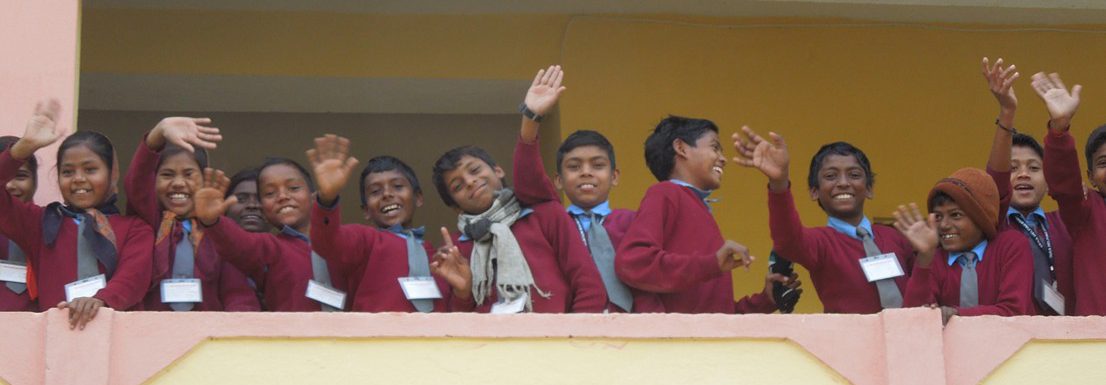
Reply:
x=1042, y=244
x=579, y=219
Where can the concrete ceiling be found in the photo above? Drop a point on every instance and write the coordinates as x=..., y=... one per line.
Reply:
x=954, y=11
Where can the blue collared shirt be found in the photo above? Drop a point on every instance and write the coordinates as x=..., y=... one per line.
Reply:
x=1037, y=217
x=602, y=209
x=525, y=211
x=401, y=231
x=978, y=250
x=288, y=230
x=850, y=230
x=703, y=194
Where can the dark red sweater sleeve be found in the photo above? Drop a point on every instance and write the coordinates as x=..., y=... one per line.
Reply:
x=588, y=293
x=789, y=238
x=532, y=184
x=335, y=242
x=1065, y=183
x=755, y=303
x=234, y=290
x=249, y=252
x=641, y=260
x=132, y=274
x=1015, y=295
x=921, y=288
x=21, y=221
x=1005, y=191
x=140, y=186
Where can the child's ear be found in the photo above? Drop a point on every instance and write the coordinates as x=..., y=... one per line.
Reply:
x=871, y=192
x=559, y=182
x=680, y=147
x=499, y=172
x=614, y=177
x=813, y=193
x=418, y=200
x=365, y=212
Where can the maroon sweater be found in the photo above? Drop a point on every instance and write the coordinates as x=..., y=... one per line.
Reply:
x=1004, y=274
x=9, y=301
x=223, y=286
x=833, y=258
x=55, y=266
x=1057, y=232
x=670, y=249
x=374, y=259
x=1085, y=218
x=558, y=261
x=533, y=186
x=283, y=261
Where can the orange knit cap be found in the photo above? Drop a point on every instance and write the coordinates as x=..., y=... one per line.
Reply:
x=975, y=192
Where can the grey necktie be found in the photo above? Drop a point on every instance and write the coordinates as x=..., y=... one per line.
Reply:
x=602, y=251
x=969, y=285
x=889, y=295
x=15, y=254
x=86, y=257
x=183, y=265
x=418, y=266
x=321, y=275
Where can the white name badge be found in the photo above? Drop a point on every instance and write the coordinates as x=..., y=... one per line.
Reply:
x=511, y=307
x=1053, y=298
x=326, y=294
x=419, y=288
x=85, y=288
x=181, y=290
x=13, y=272
x=881, y=266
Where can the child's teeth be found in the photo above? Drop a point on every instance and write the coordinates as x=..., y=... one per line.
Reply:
x=718, y=169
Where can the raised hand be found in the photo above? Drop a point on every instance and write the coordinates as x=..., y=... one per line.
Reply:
x=208, y=200
x=185, y=133
x=920, y=230
x=42, y=130
x=449, y=265
x=1060, y=102
x=332, y=166
x=732, y=255
x=545, y=90
x=770, y=157
x=1001, y=82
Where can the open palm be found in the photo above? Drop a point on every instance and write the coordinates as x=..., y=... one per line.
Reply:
x=331, y=164
x=770, y=157
x=209, y=201
x=1060, y=102
x=545, y=90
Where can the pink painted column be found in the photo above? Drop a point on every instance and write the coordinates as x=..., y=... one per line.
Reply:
x=39, y=41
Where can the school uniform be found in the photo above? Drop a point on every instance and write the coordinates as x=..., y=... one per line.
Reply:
x=533, y=186
x=1050, y=244
x=55, y=265
x=282, y=261
x=374, y=259
x=223, y=287
x=16, y=297
x=1084, y=215
x=670, y=250
x=1004, y=273
x=832, y=254
x=557, y=259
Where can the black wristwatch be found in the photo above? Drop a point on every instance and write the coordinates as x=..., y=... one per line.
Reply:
x=528, y=113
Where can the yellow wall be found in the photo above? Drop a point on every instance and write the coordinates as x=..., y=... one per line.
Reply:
x=911, y=96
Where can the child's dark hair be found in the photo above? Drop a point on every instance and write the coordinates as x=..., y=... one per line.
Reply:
x=1023, y=140
x=938, y=199
x=7, y=142
x=1094, y=141
x=449, y=161
x=273, y=161
x=244, y=175
x=660, y=156
x=199, y=155
x=583, y=138
x=842, y=149
x=95, y=141
x=388, y=163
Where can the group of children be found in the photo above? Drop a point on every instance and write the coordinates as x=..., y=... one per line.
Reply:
x=271, y=238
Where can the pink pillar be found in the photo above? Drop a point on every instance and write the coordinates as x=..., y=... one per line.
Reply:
x=39, y=41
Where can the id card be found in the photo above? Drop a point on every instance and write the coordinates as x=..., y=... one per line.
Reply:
x=1053, y=298
x=879, y=267
x=326, y=294
x=181, y=290
x=85, y=288
x=419, y=288
x=511, y=307
x=13, y=272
